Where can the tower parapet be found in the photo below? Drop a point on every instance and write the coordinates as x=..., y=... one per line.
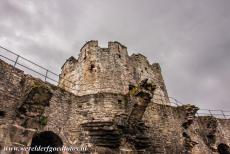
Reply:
x=89, y=45
x=117, y=45
x=110, y=70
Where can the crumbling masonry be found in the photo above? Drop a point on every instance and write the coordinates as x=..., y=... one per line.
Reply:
x=107, y=101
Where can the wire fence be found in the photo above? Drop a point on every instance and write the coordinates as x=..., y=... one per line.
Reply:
x=46, y=75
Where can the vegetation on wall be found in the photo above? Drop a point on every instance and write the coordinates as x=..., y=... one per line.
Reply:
x=43, y=120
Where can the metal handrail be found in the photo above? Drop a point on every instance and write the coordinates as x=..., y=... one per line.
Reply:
x=45, y=75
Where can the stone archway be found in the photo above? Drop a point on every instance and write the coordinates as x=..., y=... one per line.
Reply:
x=223, y=148
x=45, y=139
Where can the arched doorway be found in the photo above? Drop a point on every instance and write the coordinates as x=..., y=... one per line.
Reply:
x=45, y=139
x=223, y=148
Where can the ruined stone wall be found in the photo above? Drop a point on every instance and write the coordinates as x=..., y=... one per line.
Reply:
x=23, y=101
x=105, y=122
x=178, y=130
x=109, y=70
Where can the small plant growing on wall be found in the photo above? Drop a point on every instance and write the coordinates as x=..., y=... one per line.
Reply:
x=133, y=91
x=43, y=120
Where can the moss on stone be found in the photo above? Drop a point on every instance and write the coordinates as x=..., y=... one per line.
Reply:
x=43, y=120
x=134, y=90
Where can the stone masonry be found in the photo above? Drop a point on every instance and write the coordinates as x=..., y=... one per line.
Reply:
x=110, y=70
x=108, y=102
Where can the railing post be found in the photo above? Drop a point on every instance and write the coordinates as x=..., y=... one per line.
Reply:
x=210, y=112
x=223, y=114
x=46, y=74
x=16, y=61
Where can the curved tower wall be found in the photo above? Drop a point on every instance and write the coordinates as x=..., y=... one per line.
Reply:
x=109, y=70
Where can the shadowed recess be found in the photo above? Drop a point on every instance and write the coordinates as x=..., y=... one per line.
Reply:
x=45, y=139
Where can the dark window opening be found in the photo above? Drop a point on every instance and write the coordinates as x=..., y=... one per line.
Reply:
x=45, y=139
x=92, y=66
x=22, y=109
x=211, y=139
x=2, y=114
x=210, y=136
x=223, y=148
x=79, y=106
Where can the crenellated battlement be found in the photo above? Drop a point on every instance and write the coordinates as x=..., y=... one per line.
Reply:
x=70, y=61
x=92, y=49
x=156, y=66
x=89, y=45
x=108, y=69
x=94, y=43
x=116, y=44
x=139, y=57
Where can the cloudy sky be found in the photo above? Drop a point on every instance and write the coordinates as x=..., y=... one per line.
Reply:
x=189, y=38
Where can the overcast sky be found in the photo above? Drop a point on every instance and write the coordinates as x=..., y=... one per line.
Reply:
x=189, y=38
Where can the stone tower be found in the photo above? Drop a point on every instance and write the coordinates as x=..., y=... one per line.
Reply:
x=110, y=70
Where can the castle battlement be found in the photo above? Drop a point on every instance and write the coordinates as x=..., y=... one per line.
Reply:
x=116, y=44
x=89, y=45
x=94, y=44
x=109, y=70
x=91, y=50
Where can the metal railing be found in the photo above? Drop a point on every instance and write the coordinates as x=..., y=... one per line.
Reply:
x=224, y=114
x=215, y=113
x=46, y=75
x=34, y=69
x=28, y=65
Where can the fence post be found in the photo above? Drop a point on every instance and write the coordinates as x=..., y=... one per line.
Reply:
x=46, y=74
x=210, y=112
x=223, y=114
x=16, y=61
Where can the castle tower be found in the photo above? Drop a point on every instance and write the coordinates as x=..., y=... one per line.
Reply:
x=109, y=70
